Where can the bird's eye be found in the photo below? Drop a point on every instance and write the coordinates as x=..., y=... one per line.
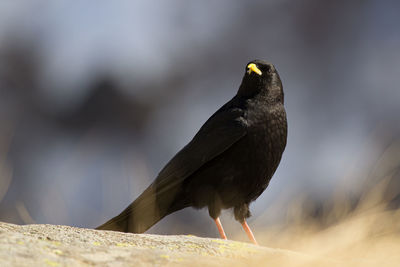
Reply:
x=267, y=69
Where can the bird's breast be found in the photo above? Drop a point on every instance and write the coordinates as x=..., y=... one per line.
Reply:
x=265, y=142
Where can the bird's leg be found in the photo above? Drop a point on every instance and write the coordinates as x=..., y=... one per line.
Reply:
x=220, y=228
x=249, y=232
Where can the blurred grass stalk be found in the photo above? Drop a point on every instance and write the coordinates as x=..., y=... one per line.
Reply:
x=5, y=166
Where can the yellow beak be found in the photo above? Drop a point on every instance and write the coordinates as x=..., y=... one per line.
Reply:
x=253, y=67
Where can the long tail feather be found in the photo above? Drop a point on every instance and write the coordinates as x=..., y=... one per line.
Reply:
x=144, y=212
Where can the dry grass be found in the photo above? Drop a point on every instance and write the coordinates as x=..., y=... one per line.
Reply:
x=347, y=231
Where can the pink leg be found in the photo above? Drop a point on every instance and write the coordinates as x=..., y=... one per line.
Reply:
x=249, y=232
x=220, y=229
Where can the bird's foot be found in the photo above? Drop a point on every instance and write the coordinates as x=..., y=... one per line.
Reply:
x=249, y=232
x=220, y=228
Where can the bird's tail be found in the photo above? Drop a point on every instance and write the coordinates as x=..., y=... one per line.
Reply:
x=144, y=212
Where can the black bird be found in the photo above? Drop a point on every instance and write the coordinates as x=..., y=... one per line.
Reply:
x=228, y=163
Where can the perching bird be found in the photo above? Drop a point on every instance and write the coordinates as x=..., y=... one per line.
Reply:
x=228, y=163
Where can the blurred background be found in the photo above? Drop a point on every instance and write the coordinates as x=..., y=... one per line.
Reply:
x=96, y=97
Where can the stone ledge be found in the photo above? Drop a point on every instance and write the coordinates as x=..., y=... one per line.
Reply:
x=56, y=245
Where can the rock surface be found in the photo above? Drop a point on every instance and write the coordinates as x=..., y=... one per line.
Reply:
x=53, y=245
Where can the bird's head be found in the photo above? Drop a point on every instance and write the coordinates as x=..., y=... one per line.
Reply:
x=261, y=78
